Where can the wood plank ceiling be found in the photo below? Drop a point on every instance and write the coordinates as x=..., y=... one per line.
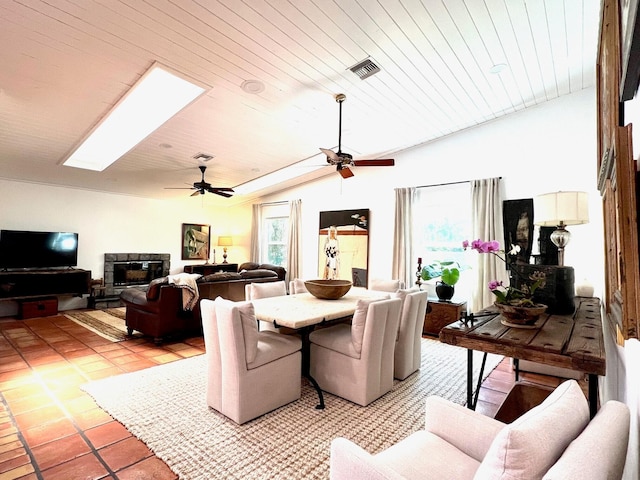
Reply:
x=65, y=63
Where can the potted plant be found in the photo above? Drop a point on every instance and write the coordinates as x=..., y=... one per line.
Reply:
x=515, y=304
x=449, y=274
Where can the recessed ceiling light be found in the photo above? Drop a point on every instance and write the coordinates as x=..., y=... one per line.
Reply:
x=252, y=86
x=165, y=145
x=497, y=68
x=154, y=99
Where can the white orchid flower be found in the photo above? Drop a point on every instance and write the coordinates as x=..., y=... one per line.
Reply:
x=515, y=249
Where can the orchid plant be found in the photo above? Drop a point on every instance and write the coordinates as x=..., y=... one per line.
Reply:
x=520, y=297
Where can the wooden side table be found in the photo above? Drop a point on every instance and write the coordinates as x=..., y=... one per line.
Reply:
x=441, y=313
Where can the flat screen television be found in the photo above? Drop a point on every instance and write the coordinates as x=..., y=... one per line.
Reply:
x=24, y=249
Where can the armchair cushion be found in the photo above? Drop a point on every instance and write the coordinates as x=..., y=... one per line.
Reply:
x=516, y=452
x=337, y=338
x=272, y=346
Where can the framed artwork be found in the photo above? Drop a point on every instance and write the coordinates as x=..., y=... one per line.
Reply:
x=630, y=48
x=343, y=245
x=196, y=239
x=518, y=227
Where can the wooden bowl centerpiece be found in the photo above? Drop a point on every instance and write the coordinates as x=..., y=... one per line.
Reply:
x=328, y=289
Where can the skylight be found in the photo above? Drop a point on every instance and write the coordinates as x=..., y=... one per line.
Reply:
x=298, y=169
x=153, y=100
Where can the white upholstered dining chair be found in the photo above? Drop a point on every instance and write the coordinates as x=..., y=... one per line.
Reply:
x=408, y=350
x=355, y=361
x=212, y=354
x=259, y=371
x=382, y=285
x=297, y=286
x=254, y=291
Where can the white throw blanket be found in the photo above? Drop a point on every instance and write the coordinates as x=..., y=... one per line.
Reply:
x=186, y=281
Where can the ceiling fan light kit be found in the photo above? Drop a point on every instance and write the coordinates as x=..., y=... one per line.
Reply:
x=342, y=160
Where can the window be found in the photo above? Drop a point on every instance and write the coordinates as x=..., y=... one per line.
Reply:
x=275, y=235
x=442, y=223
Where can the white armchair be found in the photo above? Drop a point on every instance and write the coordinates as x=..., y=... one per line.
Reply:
x=356, y=361
x=408, y=350
x=260, y=371
x=553, y=441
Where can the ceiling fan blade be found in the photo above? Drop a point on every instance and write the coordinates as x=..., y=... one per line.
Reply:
x=345, y=172
x=197, y=192
x=218, y=192
x=330, y=154
x=178, y=188
x=381, y=162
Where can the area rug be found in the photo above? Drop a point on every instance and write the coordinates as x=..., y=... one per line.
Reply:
x=108, y=323
x=165, y=407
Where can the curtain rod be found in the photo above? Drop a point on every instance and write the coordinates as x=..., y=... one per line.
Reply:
x=282, y=202
x=445, y=184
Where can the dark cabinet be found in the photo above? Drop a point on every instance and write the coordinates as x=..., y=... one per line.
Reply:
x=36, y=283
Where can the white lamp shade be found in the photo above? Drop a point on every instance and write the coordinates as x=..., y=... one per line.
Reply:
x=225, y=242
x=570, y=208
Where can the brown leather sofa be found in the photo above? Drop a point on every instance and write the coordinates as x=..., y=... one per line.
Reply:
x=157, y=310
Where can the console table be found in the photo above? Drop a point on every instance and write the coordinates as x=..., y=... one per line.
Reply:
x=209, y=268
x=17, y=284
x=569, y=341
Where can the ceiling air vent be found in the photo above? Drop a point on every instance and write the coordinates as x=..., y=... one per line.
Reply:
x=365, y=69
x=203, y=157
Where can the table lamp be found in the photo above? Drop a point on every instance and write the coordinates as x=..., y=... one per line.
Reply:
x=225, y=242
x=561, y=209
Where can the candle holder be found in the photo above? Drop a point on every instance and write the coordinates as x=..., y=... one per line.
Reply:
x=419, y=274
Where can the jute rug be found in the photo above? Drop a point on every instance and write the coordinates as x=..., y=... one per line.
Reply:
x=165, y=407
x=108, y=323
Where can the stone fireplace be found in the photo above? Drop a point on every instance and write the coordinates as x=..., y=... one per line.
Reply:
x=123, y=270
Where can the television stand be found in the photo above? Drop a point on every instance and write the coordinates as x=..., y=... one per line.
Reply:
x=15, y=284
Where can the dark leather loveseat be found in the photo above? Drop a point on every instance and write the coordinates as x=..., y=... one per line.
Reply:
x=157, y=310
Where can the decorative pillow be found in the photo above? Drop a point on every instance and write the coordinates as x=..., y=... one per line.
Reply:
x=385, y=285
x=153, y=291
x=248, y=266
x=266, y=290
x=529, y=446
x=358, y=321
x=280, y=271
x=258, y=273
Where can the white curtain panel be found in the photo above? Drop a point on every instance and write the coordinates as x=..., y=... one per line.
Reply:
x=295, y=239
x=486, y=223
x=256, y=232
x=403, y=254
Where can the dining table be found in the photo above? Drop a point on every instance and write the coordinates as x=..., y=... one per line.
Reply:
x=304, y=312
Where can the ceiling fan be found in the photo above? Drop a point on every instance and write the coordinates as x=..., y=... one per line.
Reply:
x=342, y=160
x=202, y=187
